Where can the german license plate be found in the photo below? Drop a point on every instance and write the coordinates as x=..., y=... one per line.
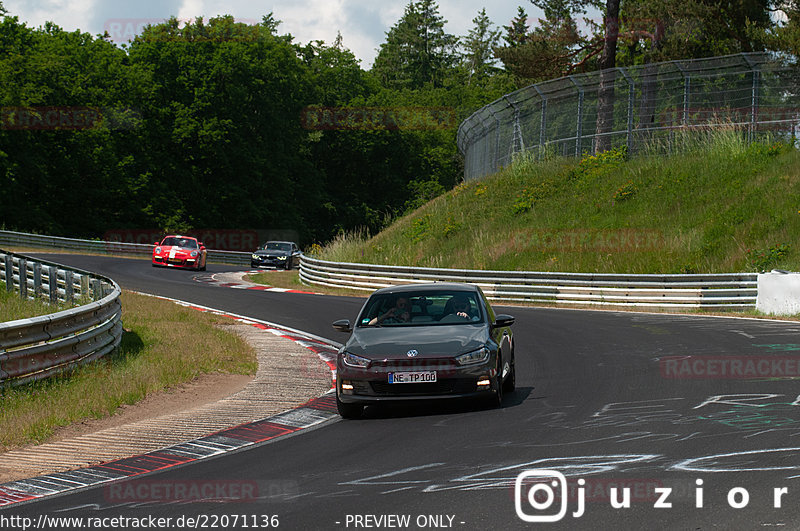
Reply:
x=412, y=377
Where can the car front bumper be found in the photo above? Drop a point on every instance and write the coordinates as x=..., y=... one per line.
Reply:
x=453, y=382
x=268, y=262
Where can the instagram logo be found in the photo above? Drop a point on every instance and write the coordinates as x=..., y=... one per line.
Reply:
x=538, y=489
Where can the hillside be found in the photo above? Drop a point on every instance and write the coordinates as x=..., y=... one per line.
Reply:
x=721, y=205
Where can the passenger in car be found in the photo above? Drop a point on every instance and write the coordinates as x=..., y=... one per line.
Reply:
x=399, y=313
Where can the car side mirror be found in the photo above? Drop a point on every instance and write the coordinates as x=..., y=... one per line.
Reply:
x=343, y=325
x=156, y=244
x=503, y=320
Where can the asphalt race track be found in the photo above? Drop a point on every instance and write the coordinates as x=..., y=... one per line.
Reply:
x=628, y=400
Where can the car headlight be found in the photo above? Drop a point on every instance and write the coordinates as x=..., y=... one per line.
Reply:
x=476, y=356
x=281, y=258
x=355, y=361
x=158, y=250
x=194, y=253
x=254, y=257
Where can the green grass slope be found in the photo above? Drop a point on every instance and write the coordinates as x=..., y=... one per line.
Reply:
x=720, y=205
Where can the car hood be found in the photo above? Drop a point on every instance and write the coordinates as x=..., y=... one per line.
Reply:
x=430, y=341
x=169, y=248
x=262, y=252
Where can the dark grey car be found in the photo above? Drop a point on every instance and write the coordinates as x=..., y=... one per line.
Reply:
x=422, y=342
x=281, y=255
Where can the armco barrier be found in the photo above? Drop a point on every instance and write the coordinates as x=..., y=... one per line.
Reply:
x=21, y=239
x=35, y=348
x=722, y=291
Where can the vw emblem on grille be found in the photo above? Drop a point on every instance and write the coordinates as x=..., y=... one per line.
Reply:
x=412, y=353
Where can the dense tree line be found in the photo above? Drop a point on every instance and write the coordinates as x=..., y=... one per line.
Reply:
x=206, y=124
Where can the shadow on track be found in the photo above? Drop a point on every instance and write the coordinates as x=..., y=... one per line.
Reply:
x=425, y=408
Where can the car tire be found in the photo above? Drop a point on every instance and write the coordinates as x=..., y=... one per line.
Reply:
x=349, y=411
x=511, y=380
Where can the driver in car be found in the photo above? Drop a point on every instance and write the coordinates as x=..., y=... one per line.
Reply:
x=461, y=307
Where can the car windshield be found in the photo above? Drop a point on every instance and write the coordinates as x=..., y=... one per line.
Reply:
x=428, y=308
x=187, y=243
x=277, y=246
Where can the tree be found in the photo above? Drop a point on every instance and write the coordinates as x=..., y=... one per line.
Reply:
x=554, y=48
x=605, y=92
x=517, y=30
x=784, y=36
x=417, y=51
x=478, y=46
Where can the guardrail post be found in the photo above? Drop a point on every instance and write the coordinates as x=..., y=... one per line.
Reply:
x=97, y=290
x=9, y=273
x=69, y=287
x=37, y=279
x=52, y=283
x=84, y=286
x=23, y=278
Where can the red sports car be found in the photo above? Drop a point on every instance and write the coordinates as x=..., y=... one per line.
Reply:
x=180, y=251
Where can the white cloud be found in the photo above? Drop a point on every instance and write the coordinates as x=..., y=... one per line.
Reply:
x=191, y=9
x=363, y=23
x=69, y=14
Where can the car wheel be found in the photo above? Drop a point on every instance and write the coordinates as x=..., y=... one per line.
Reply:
x=511, y=380
x=349, y=411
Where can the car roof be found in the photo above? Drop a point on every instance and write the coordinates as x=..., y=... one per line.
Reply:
x=179, y=236
x=429, y=286
x=277, y=241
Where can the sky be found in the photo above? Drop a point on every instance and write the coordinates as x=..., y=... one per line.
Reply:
x=363, y=23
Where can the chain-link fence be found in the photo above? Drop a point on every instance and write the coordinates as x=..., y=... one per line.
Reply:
x=632, y=107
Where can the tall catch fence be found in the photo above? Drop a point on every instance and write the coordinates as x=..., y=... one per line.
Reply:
x=633, y=107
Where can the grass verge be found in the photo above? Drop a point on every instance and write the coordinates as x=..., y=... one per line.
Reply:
x=721, y=205
x=12, y=307
x=164, y=345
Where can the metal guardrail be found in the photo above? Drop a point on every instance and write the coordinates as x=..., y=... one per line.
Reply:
x=721, y=291
x=21, y=239
x=647, y=104
x=38, y=347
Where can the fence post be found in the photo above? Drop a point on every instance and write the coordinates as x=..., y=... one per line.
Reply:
x=754, y=102
x=496, y=137
x=631, y=94
x=542, y=121
x=579, y=130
